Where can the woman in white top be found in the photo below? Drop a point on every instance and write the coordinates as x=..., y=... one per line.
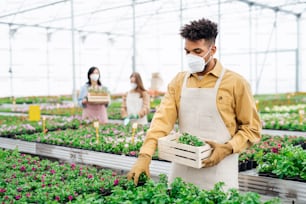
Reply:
x=136, y=102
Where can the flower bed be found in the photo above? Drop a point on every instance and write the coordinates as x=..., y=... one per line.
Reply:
x=116, y=139
x=284, y=121
x=288, y=162
x=248, y=158
x=113, y=138
x=16, y=125
x=279, y=117
x=28, y=179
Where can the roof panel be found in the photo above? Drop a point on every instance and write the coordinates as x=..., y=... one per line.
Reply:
x=116, y=16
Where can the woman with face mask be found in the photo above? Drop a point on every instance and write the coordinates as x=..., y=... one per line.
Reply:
x=92, y=111
x=136, y=102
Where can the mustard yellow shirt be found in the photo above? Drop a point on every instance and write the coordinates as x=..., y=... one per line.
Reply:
x=235, y=104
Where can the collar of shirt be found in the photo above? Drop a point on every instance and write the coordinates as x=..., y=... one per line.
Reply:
x=216, y=71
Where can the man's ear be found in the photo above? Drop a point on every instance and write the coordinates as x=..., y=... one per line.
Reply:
x=213, y=49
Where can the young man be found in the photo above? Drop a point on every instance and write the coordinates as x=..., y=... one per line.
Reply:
x=210, y=102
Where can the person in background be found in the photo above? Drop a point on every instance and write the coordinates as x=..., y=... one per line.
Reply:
x=136, y=102
x=92, y=111
x=210, y=102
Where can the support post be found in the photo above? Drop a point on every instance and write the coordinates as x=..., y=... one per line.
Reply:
x=74, y=96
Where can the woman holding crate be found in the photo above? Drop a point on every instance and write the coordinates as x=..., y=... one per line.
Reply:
x=136, y=102
x=94, y=98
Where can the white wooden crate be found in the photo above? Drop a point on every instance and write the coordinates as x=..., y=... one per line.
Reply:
x=98, y=99
x=169, y=149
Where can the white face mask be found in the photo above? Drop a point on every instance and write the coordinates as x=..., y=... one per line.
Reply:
x=94, y=77
x=197, y=63
x=133, y=86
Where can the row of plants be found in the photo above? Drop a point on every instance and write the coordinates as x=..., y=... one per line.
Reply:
x=283, y=99
x=111, y=138
x=35, y=99
x=28, y=179
x=264, y=101
x=267, y=144
x=298, y=108
x=288, y=162
x=116, y=139
x=16, y=125
x=69, y=109
x=284, y=121
x=277, y=121
x=289, y=117
x=65, y=109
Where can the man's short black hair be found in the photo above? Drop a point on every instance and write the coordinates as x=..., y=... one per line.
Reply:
x=200, y=29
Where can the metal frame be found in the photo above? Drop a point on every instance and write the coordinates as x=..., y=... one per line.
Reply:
x=133, y=5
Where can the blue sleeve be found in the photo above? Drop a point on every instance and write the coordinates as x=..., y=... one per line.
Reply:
x=82, y=95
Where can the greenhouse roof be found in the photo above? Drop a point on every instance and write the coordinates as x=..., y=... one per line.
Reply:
x=109, y=16
x=56, y=41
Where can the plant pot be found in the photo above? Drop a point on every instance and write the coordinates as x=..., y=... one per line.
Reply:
x=254, y=164
x=295, y=178
x=249, y=165
x=242, y=166
x=263, y=174
x=273, y=175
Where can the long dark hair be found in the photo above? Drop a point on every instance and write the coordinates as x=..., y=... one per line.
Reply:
x=140, y=88
x=90, y=71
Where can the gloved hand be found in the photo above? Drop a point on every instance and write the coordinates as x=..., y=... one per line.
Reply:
x=219, y=152
x=133, y=116
x=141, y=165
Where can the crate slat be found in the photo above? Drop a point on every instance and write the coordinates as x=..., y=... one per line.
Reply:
x=98, y=99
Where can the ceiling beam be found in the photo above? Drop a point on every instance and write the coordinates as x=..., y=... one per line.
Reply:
x=63, y=29
x=266, y=6
x=32, y=9
x=97, y=11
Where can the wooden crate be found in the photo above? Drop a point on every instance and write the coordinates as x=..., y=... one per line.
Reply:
x=169, y=149
x=98, y=99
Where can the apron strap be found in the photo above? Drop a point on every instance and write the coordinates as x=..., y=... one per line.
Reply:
x=220, y=79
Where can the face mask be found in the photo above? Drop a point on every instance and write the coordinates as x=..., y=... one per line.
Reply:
x=197, y=63
x=94, y=77
x=133, y=86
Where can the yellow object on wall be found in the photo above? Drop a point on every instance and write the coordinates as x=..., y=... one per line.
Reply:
x=34, y=113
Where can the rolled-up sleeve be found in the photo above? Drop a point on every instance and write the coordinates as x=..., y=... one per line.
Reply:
x=164, y=118
x=82, y=95
x=247, y=118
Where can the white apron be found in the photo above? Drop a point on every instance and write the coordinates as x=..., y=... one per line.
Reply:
x=199, y=116
x=134, y=105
